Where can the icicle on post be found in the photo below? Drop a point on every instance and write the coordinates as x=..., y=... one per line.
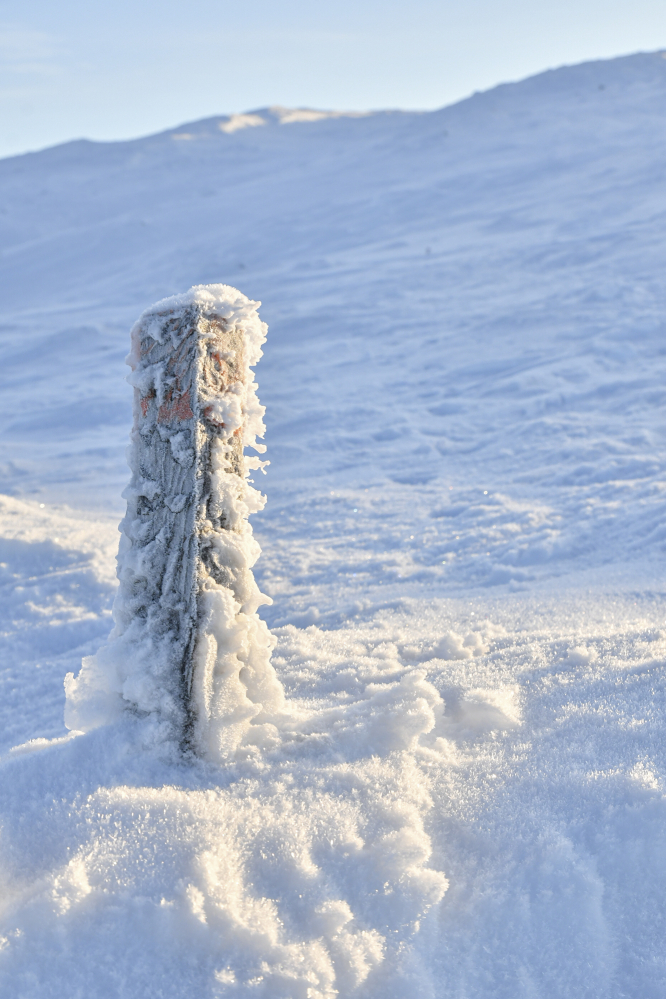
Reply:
x=188, y=649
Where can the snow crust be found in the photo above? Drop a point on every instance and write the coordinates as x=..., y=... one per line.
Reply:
x=461, y=787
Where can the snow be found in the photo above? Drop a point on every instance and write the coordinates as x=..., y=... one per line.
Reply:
x=279, y=115
x=463, y=790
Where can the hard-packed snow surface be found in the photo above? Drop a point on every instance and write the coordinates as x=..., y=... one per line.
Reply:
x=462, y=792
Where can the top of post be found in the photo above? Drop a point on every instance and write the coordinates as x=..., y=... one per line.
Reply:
x=210, y=300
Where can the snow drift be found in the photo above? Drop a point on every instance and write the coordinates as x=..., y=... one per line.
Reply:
x=303, y=895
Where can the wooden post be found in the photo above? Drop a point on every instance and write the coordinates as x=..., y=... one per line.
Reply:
x=195, y=654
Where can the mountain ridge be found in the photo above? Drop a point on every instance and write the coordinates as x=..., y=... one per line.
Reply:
x=652, y=67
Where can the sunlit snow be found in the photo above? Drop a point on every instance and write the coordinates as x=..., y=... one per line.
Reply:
x=463, y=793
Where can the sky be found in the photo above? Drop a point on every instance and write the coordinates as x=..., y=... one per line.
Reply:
x=82, y=68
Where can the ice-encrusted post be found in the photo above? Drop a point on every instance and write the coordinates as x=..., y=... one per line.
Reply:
x=188, y=651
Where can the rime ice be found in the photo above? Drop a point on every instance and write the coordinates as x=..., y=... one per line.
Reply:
x=188, y=649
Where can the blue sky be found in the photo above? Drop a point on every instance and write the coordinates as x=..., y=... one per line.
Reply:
x=116, y=70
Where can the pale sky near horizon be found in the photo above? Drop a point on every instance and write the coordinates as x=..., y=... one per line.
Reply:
x=81, y=68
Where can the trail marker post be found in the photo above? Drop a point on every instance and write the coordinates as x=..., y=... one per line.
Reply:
x=189, y=651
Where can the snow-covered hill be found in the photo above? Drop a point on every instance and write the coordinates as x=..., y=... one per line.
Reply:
x=464, y=538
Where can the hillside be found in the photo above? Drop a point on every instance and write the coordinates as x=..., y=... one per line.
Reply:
x=464, y=537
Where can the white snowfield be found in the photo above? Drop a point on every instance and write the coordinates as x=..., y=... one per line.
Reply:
x=462, y=792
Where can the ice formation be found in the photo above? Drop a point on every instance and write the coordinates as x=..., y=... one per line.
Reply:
x=188, y=651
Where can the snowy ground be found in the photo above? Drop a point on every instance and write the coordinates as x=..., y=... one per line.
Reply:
x=463, y=541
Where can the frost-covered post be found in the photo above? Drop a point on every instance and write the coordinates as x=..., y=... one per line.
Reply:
x=188, y=651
